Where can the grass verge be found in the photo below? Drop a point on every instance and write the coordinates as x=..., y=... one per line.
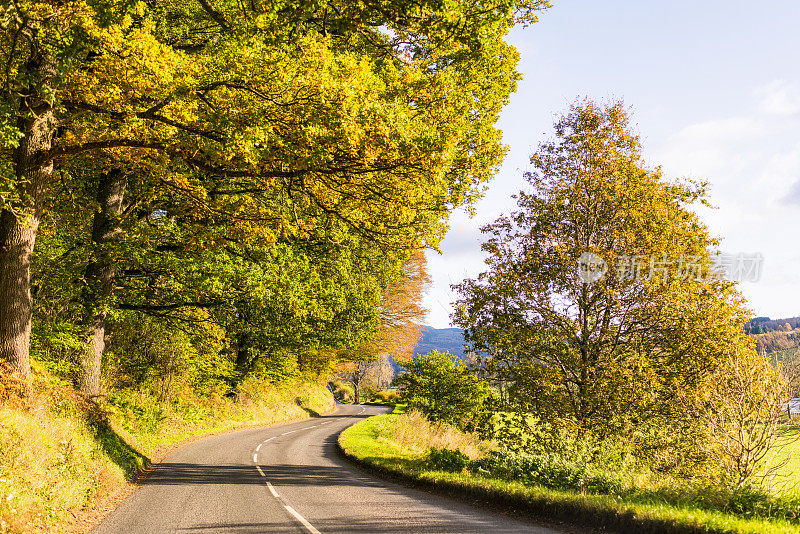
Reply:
x=380, y=444
x=64, y=462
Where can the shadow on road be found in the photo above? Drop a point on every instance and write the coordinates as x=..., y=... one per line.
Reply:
x=422, y=524
x=245, y=528
x=178, y=473
x=175, y=473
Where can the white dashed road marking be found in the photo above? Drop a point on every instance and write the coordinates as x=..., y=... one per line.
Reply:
x=308, y=526
x=302, y=519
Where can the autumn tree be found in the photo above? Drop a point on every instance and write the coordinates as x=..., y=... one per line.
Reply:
x=742, y=411
x=379, y=116
x=357, y=374
x=399, y=315
x=616, y=346
x=401, y=310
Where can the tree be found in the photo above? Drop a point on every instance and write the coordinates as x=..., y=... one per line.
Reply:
x=100, y=276
x=233, y=103
x=742, y=409
x=357, y=374
x=614, y=351
x=273, y=299
x=443, y=389
x=401, y=310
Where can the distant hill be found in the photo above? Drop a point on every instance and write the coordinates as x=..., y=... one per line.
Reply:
x=762, y=325
x=771, y=335
x=774, y=335
x=442, y=339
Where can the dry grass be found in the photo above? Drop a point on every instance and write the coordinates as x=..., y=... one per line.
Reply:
x=60, y=459
x=416, y=434
x=50, y=466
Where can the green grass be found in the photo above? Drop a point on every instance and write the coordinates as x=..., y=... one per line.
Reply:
x=375, y=443
x=400, y=408
x=787, y=460
x=61, y=459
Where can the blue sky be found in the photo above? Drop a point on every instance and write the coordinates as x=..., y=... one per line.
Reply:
x=714, y=88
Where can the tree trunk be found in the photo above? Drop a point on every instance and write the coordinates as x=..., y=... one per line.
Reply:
x=20, y=222
x=100, y=276
x=17, y=237
x=243, y=355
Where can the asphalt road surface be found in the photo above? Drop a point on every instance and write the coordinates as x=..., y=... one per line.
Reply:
x=288, y=478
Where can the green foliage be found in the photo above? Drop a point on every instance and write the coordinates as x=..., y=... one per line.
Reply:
x=627, y=351
x=56, y=343
x=446, y=460
x=152, y=354
x=137, y=412
x=554, y=455
x=444, y=390
x=342, y=391
x=549, y=470
x=385, y=397
x=624, y=497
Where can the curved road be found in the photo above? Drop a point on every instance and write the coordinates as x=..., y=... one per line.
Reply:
x=288, y=478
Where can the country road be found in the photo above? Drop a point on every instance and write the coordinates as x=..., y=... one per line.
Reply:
x=288, y=478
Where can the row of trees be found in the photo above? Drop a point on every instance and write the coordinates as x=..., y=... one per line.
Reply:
x=777, y=341
x=256, y=175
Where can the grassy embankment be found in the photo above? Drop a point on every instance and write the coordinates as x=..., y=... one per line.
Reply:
x=397, y=445
x=63, y=461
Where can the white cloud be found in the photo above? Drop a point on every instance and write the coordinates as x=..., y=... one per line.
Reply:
x=752, y=162
x=779, y=98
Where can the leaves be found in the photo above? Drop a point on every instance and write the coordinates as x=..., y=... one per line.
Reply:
x=618, y=352
x=283, y=160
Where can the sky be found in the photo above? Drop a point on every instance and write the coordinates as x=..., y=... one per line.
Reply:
x=714, y=91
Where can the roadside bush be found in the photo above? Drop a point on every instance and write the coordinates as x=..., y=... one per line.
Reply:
x=444, y=390
x=385, y=396
x=342, y=391
x=139, y=412
x=557, y=455
x=446, y=459
x=548, y=470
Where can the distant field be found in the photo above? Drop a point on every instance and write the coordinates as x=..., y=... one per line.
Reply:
x=787, y=479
